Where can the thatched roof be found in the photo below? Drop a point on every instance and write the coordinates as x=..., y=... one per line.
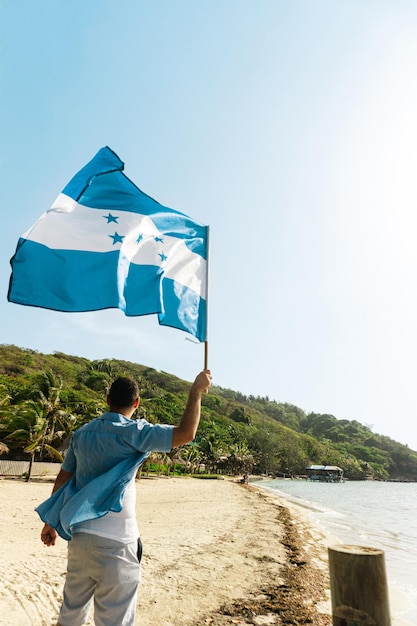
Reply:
x=3, y=448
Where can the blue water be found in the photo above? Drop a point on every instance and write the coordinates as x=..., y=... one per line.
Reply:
x=373, y=514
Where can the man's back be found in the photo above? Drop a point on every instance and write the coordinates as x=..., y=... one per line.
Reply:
x=101, y=444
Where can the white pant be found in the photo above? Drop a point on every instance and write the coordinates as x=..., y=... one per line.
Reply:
x=105, y=571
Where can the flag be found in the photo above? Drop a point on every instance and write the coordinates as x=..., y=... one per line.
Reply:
x=106, y=244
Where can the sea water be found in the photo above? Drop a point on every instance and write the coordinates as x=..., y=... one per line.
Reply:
x=375, y=514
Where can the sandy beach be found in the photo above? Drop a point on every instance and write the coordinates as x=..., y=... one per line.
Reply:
x=215, y=552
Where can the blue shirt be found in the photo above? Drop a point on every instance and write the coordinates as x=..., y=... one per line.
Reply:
x=103, y=457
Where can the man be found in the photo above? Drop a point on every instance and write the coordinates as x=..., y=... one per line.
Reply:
x=93, y=503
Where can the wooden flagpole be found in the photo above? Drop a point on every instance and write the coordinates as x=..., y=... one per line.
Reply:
x=206, y=355
x=207, y=290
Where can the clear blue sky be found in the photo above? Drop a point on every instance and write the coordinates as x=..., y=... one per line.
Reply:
x=290, y=127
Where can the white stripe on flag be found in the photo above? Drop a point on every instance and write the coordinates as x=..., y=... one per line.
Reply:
x=72, y=226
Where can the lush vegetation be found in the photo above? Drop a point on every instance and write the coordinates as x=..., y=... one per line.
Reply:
x=43, y=398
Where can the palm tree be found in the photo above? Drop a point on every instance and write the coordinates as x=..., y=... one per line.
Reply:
x=104, y=365
x=60, y=422
x=213, y=448
x=48, y=393
x=40, y=425
x=166, y=459
x=192, y=457
x=241, y=459
x=154, y=458
x=28, y=428
x=4, y=413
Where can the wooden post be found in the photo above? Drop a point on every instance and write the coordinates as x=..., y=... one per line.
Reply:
x=358, y=586
x=207, y=281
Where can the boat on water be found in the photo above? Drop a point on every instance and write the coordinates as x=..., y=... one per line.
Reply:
x=325, y=473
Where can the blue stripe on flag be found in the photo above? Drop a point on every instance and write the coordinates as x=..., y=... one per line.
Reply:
x=104, y=161
x=92, y=281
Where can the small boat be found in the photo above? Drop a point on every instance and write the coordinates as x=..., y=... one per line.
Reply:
x=325, y=473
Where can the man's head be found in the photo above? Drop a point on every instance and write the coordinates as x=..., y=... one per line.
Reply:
x=123, y=394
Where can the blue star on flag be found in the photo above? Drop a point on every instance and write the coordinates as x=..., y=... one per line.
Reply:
x=117, y=238
x=110, y=218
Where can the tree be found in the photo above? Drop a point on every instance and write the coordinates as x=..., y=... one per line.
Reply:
x=41, y=424
x=4, y=413
x=192, y=456
x=213, y=443
x=240, y=458
x=28, y=428
x=264, y=445
x=60, y=422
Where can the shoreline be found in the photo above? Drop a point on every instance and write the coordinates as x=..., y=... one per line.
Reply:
x=401, y=604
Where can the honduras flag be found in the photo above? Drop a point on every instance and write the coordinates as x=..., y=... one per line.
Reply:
x=106, y=244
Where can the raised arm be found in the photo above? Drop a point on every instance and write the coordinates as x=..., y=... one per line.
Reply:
x=187, y=428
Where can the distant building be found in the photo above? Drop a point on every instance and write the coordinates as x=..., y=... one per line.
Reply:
x=325, y=473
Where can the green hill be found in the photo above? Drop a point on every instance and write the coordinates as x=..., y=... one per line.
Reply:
x=43, y=398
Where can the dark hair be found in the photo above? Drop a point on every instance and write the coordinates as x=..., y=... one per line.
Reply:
x=123, y=393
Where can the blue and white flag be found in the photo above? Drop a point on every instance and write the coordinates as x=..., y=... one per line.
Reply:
x=106, y=244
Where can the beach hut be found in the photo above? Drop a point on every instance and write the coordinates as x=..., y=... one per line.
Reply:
x=325, y=473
